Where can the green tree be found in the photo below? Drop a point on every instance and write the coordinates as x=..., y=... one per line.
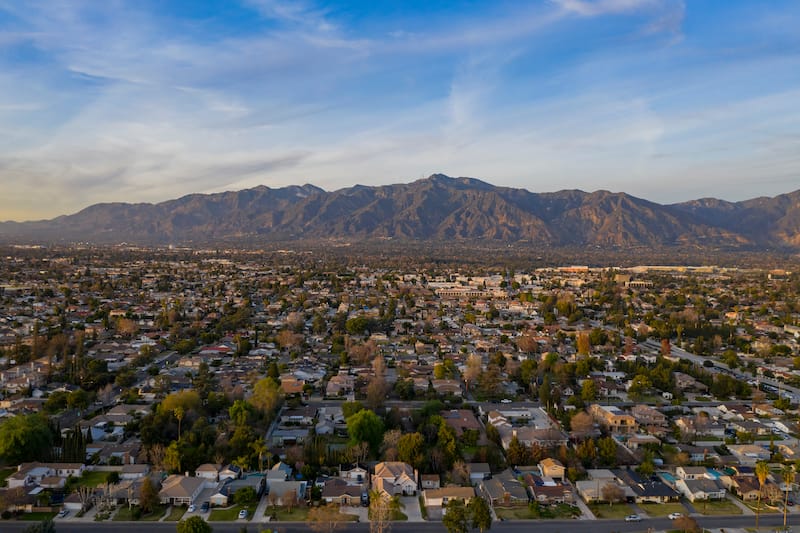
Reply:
x=266, y=395
x=455, y=517
x=787, y=475
x=25, y=438
x=411, y=449
x=245, y=496
x=588, y=391
x=518, y=453
x=480, y=516
x=195, y=524
x=366, y=426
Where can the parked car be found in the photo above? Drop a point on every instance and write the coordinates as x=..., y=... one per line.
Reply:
x=243, y=513
x=204, y=507
x=633, y=518
x=192, y=508
x=675, y=516
x=62, y=513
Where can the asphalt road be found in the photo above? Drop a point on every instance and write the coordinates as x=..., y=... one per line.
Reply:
x=767, y=522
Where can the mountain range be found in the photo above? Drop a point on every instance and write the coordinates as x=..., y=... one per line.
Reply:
x=437, y=208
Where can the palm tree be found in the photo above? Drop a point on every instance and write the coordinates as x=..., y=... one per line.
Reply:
x=178, y=412
x=260, y=448
x=787, y=473
x=762, y=471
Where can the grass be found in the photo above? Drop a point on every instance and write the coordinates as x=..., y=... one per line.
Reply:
x=298, y=514
x=662, y=509
x=124, y=515
x=765, y=507
x=422, y=509
x=618, y=510
x=532, y=513
x=176, y=513
x=231, y=513
x=4, y=473
x=398, y=516
x=36, y=517
x=91, y=479
x=715, y=508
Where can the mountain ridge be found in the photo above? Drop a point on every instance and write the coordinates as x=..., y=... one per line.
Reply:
x=437, y=208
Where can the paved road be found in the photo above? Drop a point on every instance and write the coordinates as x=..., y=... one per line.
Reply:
x=549, y=526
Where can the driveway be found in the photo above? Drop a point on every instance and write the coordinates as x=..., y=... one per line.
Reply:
x=411, y=508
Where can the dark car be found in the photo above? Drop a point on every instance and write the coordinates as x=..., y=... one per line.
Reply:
x=204, y=507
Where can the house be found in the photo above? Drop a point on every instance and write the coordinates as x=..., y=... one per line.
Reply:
x=613, y=419
x=230, y=472
x=28, y=474
x=504, y=490
x=749, y=454
x=429, y=481
x=208, y=471
x=281, y=491
x=461, y=420
x=646, y=490
x=339, y=492
x=478, y=472
x=180, y=490
x=637, y=441
x=440, y=497
x=395, y=477
x=134, y=471
x=692, y=472
x=548, y=491
x=552, y=468
x=353, y=474
x=255, y=481
x=746, y=487
x=700, y=489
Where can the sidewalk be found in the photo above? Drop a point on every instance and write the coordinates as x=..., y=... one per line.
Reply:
x=586, y=513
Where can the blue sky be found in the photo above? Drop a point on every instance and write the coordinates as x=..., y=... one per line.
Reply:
x=148, y=100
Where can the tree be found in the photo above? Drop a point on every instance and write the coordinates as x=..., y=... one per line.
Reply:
x=518, y=453
x=762, y=471
x=195, y=524
x=787, y=474
x=612, y=492
x=455, y=517
x=45, y=526
x=266, y=395
x=607, y=450
x=380, y=512
x=588, y=390
x=687, y=524
x=411, y=449
x=245, y=496
x=366, y=426
x=473, y=369
x=148, y=496
x=582, y=423
x=25, y=438
x=179, y=414
x=325, y=518
x=480, y=516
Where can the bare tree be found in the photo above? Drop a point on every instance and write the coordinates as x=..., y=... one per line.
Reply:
x=325, y=519
x=612, y=493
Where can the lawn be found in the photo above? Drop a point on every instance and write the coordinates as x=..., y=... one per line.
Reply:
x=399, y=516
x=4, y=473
x=618, y=510
x=37, y=517
x=124, y=515
x=298, y=514
x=765, y=507
x=232, y=513
x=662, y=509
x=543, y=512
x=91, y=479
x=176, y=513
x=714, y=508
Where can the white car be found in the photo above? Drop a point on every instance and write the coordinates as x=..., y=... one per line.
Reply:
x=243, y=513
x=192, y=508
x=633, y=518
x=62, y=513
x=675, y=516
x=505, y=400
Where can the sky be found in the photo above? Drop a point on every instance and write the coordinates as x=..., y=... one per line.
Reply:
x=148, y=100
